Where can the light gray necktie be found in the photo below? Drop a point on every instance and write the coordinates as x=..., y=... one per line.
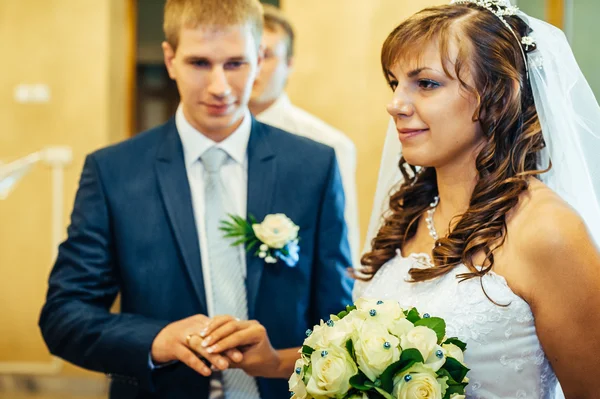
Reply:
x=226, y=272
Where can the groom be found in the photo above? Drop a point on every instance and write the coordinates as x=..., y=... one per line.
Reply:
x=146, y=220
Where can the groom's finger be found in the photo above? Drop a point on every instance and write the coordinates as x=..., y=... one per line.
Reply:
x=221, y=332
x=195, y=344
x=243, y=337
x=189, y=358
x=215, y=323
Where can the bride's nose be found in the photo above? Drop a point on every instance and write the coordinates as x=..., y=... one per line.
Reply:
x=400, y=106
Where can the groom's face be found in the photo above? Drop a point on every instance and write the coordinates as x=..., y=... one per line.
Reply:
x=214, y=68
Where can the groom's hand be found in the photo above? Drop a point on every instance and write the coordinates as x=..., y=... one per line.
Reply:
x=173, y=343
x=225, y=333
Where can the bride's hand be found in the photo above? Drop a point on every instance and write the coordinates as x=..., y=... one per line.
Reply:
x=225, y=333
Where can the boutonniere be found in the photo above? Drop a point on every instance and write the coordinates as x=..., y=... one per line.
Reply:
x=275, y=238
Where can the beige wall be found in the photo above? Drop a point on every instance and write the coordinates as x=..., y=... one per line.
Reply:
x=338, y=77
x=79, y=49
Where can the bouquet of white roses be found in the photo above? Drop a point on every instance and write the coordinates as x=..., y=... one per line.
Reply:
x=375, y=349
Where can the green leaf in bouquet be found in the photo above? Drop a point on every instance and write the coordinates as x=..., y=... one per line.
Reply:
x=346, y=312
x=450, y=381
x=407, y=359
x=453, y=340
x=385, y=394
x=458, y=389
x=436, y=324
x=307, y=350
x=413, y=315
x=457, y=370
x=350, y=349
x=359, y=381
x=411, y=354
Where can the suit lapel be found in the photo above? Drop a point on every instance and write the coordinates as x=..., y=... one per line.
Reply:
x=175, y=190
x=261, y=189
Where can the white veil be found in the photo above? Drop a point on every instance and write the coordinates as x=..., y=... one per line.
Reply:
x=570, y=120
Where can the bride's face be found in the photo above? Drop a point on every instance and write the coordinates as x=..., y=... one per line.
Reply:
x=432, y=111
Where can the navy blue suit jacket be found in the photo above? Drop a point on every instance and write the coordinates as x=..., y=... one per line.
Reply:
x=133, y=231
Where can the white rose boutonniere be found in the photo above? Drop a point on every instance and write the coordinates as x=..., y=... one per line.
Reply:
x=275, y=238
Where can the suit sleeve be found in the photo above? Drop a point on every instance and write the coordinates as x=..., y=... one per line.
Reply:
x=75, y=320
x=332, y=285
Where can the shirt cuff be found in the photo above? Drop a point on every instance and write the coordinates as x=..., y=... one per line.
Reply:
x=158, y=366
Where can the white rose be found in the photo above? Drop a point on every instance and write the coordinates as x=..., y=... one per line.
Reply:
x=400, y=327
x=457, y=396
x=455, y=352
x=419, y=382
x=316, y=339
x=421, y=338
x=436, y=359
x=276, y=230
x=341, y=330
x=375, y=349
x=384, y=311
x=331, y=373
x=296, y=381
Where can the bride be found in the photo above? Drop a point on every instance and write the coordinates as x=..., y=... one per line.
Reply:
x=483, y=230
x=474, y=235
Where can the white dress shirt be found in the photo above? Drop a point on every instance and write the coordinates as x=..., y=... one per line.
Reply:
x=286, y=116
x=234, y=175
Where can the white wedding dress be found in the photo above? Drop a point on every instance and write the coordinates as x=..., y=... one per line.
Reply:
x=503, y=350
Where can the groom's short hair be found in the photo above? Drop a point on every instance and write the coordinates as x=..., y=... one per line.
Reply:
x=193, y=13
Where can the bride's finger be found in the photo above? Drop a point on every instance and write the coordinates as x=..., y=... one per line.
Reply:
x=221, y=332
x=215, y=323
x=242, y=337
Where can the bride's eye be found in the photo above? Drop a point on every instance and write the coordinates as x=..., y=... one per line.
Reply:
x=393, y=84
x=428, y=84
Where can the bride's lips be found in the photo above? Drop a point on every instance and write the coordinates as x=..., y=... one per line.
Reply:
x=407, y=133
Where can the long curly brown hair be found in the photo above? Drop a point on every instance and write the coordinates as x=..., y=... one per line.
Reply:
x=509, y=121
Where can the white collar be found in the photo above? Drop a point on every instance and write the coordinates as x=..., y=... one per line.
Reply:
x=195, y=143
x=276, y=110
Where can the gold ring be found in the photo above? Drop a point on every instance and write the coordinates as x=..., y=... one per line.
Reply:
x=188, y=339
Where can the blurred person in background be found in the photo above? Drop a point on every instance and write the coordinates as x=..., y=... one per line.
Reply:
x=271, y=105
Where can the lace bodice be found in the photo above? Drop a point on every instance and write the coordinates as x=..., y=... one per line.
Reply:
x=503, y=350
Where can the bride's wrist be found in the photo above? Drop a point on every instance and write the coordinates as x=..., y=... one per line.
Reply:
x=286, y=360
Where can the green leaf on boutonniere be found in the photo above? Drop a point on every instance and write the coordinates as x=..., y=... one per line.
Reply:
x=413, y=315
x=436, y=324
x=241, y=231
